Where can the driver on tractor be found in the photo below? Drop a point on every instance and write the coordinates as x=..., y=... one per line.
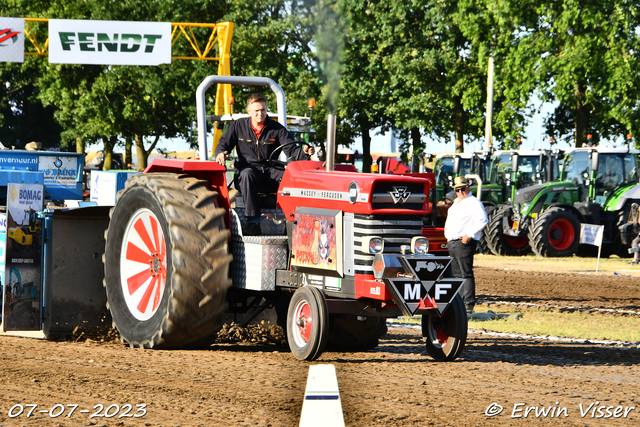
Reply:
x=255, y=138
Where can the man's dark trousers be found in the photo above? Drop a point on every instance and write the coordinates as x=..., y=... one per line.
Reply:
x=252, y=181
x=462, y=267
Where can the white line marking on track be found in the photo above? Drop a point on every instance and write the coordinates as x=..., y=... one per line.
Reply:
x=322, y=405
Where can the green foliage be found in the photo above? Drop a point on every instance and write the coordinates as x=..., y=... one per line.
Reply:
x=22, y=117
x=584, y=57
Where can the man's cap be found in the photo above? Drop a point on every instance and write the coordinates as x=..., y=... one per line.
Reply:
x=460, y=182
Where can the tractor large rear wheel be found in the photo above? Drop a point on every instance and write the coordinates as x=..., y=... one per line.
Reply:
x=446, y=335
x=482, y=243
x=555, y=233
x=166, y=262
x=500, y=243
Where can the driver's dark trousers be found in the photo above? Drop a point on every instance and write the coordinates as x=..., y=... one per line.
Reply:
x=253, y=180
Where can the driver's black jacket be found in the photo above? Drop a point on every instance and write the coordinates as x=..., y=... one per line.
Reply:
x=240, y=135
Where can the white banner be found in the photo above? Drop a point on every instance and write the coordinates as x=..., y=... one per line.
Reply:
x=109, y=42
x=591, y=234
x=11, y=40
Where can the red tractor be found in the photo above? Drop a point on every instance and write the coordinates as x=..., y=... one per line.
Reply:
x=340, y=253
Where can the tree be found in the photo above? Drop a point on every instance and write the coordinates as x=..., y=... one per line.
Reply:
x=23, y=118
x=586, y=59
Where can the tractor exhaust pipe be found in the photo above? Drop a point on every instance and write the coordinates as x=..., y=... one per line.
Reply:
x=331, y=141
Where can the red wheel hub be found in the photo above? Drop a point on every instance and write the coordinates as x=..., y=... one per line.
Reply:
x=143, y=264
x=561, y=234
x=304, y=322
x=442, y=336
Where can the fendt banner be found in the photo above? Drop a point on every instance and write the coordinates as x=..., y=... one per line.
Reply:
x=74, y=41
x=11, y=40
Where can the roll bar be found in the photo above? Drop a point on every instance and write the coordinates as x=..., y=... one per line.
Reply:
x=234, y=80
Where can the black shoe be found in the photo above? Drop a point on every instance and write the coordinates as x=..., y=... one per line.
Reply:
x=252, y=230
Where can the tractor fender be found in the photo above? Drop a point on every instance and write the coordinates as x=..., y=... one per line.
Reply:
x=210, y=171
x=632, y=194
x=569, y=208
x=488, y=205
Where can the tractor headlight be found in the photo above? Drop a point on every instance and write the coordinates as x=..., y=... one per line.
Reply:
x=372, y=245
x=419, y=245
x=525, y=207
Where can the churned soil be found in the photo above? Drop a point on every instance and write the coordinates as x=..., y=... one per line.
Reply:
x=249, y=377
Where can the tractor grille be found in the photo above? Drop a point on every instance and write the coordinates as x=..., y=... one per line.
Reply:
x=390, y=195
x=527, y=194
x=395, y=230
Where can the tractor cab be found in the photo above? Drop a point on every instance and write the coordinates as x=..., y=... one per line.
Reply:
x=605, y=170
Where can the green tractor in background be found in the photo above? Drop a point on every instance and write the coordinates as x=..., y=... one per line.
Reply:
x=515, y=171
x=450, y=165
x=497, y=186
x=598, y=185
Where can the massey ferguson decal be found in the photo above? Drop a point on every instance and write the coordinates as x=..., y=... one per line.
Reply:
x=416, y=282
x=11, y=40
x=444, y=291
x=399, y=195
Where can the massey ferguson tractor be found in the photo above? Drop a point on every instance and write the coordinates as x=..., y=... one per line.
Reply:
x=339, y=253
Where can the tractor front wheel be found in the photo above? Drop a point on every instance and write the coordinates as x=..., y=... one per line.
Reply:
x=446, y=335
x=555, y=233
x=307, y=323
x=166, y=262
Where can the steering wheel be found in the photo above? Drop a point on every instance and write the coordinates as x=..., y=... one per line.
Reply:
x=281, y=165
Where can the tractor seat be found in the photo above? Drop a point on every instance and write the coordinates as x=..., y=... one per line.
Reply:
x=267, y=200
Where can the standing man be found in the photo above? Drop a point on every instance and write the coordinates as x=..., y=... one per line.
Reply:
x=254, y=139
x=465, y=220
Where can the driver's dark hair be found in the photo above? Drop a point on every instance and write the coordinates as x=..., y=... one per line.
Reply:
x=256, y=97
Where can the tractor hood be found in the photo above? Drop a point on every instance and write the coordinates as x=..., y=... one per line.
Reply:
x=307, y=183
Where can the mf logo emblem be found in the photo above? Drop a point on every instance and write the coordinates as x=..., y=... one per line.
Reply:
x=399, y=195
x=412, y=291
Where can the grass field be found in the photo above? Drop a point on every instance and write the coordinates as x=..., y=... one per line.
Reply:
x=580, y=325
x=577, y=325
x=605, y=266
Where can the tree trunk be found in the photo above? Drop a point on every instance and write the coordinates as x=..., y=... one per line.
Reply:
x=108, y=143
x=366, y=146
x=582, y=116
x=80, y=145
x=128, y=161
x=416, y=140
x=141, y=153
x=459, y=124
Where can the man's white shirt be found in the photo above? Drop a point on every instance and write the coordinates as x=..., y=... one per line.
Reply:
x=465, y=217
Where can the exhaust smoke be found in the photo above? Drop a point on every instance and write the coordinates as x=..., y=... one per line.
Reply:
x=329, y=47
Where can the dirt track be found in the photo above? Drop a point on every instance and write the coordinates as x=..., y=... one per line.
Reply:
x=395, y=384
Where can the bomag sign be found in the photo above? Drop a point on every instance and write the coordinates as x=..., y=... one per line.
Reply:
x=109, y=42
